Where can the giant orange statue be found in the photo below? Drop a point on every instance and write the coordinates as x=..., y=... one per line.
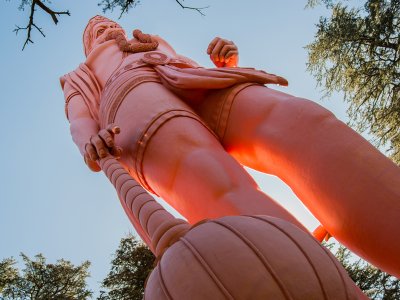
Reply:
x=186, y=130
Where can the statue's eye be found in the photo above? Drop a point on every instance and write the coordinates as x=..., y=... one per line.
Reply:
x=100, y=32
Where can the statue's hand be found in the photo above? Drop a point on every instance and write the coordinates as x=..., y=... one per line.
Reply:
x=100, y=145
x=223, y=53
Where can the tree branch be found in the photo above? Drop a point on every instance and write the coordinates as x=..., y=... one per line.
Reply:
x=32, y=24
x=28, y=27
x=51, y=12
x=198, y=9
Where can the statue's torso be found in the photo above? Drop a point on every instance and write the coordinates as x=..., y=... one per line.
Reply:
x=103, y=60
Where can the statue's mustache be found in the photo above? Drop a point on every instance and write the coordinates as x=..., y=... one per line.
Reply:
x=102, y=38
x=108, y=30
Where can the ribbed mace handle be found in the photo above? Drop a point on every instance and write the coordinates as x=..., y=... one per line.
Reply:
x=158, y=228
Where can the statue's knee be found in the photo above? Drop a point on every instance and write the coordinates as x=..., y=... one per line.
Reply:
x=290, y=119
x=307, y=109
x=297, y=112
x=210, y=167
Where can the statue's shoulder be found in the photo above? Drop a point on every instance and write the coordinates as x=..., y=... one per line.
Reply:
x=82, y=71
x=83, y=82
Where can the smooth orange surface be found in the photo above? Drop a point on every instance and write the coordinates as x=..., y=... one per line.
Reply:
x=352, y=189
x=249, y=257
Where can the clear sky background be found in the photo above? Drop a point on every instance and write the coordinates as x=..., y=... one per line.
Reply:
x=50, y=202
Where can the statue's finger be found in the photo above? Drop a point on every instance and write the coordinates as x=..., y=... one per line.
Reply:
x=217, y=49
x=91, y=152
x=99, y=145
x=93, y=165
x=217, y=63
x=223, y=54
x=114, y=129
x=282, y=81
x=212, y=45
x=231, y=53
x=107, y=137
x=86, y=157
x=116, y=151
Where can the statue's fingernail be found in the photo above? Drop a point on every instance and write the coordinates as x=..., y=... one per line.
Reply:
x=116, y=129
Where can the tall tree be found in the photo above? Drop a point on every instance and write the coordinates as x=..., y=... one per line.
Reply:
x=132, y=263
x=8, y=273
x=357, y=51
x=41, y=281
x=372, y=281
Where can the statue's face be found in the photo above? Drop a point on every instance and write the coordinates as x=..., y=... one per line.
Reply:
x=101, y=28
x=96, y=32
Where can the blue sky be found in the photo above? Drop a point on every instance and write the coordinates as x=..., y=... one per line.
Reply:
x=50, y=202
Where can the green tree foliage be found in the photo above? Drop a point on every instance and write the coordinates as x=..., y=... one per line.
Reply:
x=376, y=284
x=8, y=273
x=133, y=261
x=43, y=281
x=123, y=5
x=357, y=51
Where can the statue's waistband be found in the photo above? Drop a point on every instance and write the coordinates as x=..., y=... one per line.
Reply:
x=152, y=58
x=177, y=75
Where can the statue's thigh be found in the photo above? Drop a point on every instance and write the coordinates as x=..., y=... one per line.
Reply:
x=264, y=123
x=187, y=166
x=144, y=110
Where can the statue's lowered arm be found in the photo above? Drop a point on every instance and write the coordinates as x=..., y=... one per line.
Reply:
x=92, y=142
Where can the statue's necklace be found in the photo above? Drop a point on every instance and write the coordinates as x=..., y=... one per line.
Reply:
x=143, y=42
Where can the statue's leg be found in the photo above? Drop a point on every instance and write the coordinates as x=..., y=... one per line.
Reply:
x=351, y=187
x=186, y=165
x=181, y=160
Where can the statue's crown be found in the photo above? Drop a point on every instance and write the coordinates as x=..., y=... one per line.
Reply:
x=98, y=19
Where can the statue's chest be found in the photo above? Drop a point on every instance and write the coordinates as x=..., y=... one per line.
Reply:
x=103, y=61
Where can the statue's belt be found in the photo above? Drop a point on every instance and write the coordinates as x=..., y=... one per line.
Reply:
x=149, y=58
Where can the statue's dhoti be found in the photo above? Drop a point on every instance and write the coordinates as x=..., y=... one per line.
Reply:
x=204, y=95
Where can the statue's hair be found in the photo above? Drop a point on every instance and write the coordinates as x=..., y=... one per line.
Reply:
x=88, y=34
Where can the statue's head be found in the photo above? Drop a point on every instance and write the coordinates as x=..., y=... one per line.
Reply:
x=95, y=31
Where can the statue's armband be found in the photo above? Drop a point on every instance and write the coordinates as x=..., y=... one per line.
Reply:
x=75, y=106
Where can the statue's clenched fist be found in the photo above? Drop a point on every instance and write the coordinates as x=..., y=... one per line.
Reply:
x=100, y=146
x=223, y=53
